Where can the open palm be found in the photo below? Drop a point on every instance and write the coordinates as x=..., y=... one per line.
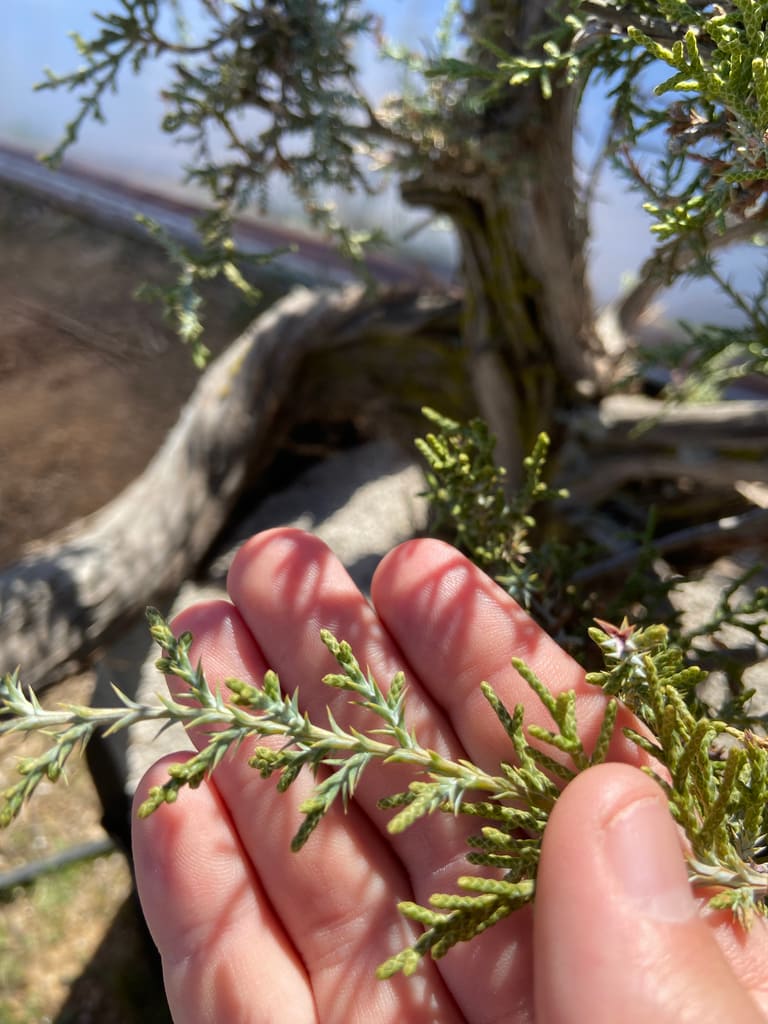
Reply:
x=250, y=932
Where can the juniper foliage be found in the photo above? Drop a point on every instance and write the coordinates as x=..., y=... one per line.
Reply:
x=289, y=66
x=526, y=543
x=719, y=800
x=471, y=504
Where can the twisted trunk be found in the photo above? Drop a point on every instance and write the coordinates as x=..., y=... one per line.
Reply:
x=505, y=178
x=60, y=601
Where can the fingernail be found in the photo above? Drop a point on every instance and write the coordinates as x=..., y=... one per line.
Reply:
x=644, y=852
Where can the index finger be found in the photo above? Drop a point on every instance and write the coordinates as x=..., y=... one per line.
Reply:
x=456, y=628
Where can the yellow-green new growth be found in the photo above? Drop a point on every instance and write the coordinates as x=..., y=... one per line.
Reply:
x=468, y=493
x=721, y=58
x=717, y=794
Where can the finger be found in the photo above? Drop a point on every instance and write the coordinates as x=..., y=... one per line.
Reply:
x=336, y=900
x=618, y=934
x=456, y=628
x=287, y=586
x=209, y=915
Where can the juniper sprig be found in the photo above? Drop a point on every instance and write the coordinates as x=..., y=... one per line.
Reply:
x=718, y=798
x=714, y=774
x=469, y=498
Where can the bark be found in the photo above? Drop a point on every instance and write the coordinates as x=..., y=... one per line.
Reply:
x=505, y=178
x=342, y=355
x=705, y=540
x=61, y=600
x=643, y=422
x=634, y=439
x=530, y=349
x=711, y=474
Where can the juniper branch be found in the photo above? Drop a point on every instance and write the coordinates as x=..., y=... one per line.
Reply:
x=719, y=802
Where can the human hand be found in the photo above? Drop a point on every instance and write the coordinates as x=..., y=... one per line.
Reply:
x=250, y=932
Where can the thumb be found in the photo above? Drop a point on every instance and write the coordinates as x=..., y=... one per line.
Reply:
x=618, y=935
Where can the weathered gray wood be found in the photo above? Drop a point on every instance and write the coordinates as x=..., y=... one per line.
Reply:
x=629, y=438
x=647, y=422
x=710, y=472
x=60, y=601
x=502, y=178
x=361, y=502
x=706, y=540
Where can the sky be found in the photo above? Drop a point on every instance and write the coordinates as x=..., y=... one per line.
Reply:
x=34, y=35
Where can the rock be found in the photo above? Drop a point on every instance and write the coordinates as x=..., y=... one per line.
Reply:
x=361, y=502
x=698, y=600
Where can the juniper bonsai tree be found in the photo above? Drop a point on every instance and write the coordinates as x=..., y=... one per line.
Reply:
x=484, y=135
x=485, y=138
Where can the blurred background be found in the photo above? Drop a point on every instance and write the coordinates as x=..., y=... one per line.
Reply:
x=90, y=381
x=131, y=147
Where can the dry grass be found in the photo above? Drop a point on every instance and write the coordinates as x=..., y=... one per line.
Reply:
x=71, y=945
